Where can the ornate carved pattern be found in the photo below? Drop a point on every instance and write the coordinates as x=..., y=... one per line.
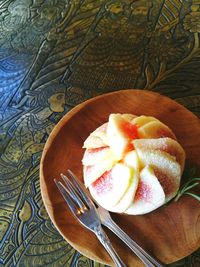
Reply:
x=54, y=55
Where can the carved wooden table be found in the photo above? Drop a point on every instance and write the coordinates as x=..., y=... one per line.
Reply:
x=56, y=54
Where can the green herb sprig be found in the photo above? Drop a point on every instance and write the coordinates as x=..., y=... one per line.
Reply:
x=191, y=183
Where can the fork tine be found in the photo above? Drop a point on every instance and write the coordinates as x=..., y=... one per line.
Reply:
x=73, y=192
x=66, y=195
x=90, y=219
x=81, y=189
x=64, y=189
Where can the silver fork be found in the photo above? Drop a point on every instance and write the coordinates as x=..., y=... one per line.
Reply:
x=85, y=211
x=107, y=221
x=76, y=192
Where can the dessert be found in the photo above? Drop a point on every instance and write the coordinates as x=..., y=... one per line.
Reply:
x=132, y=164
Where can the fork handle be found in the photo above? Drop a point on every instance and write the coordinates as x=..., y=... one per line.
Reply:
x=103, y=238
x=147, y=259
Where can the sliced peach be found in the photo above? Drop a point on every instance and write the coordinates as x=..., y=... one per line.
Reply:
x=129, y=195
x=128, y=117
x=119, y=133
x=109, y=189
x=149, y=195
x=155, y=129
x=131, y=159
x=164, y=144
x=142, y=120
x=166, y=168
x=169, y=185
x=93, y=156
x=97, y=138
x=93, y=172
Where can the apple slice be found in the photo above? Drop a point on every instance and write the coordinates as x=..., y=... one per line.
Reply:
x=93, y=156
x=142, y=120
x=119, y=133
x=155, y=129
x=164, y=144
x=97, y=138
x=109, y=189
x=93, y=172
x=166, y=168
x=149, y=195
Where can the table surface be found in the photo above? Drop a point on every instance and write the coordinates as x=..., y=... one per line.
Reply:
x=53, y=56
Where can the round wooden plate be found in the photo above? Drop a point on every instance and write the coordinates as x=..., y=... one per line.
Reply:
x=168, y=233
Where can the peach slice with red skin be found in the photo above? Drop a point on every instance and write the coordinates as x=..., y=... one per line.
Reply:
x=97, y=138
x=112, y=186
x=120, y=132
x=149, y=195
x=129, y=195
x=94, y=156
x=93, y=172
x=167, y=169
x=163, y=144
x=155, y=129
x=169, y=185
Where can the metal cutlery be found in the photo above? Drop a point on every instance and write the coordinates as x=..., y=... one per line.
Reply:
x=139, y=251
x=83, y=208
x=85, y=211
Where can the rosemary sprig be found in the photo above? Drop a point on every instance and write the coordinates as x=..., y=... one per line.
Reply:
x=185, y=189
x=191, y=183
x=193, y=195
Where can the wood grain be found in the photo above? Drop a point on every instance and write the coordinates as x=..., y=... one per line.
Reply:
x=170, y=232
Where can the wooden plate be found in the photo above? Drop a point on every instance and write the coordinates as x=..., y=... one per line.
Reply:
x=170, y=232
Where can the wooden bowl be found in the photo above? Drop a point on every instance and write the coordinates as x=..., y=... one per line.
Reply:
x=168, y=233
